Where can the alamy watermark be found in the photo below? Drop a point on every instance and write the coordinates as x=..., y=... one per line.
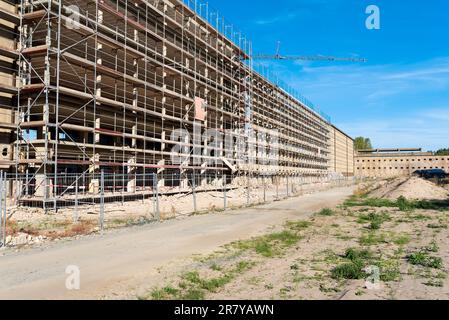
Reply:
x=373, y=20
x=373, y=280
x=73, y=18
x=73, y=280
x=210, y=147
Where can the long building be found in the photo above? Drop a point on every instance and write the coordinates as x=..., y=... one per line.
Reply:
x=388, y=163
x=342, y=153
x=109, y=85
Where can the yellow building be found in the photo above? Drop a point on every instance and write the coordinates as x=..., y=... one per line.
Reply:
x=342, y=152
x=386, y=163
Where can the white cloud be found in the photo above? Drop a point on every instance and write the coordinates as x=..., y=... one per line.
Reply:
x=281, y=18
x=418, y=129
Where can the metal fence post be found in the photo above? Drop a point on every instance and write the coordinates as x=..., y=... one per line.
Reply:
x=75, y=218
x=123, y=188
x=156, y=197
x=247, y=191
x=225, y=200
x=4, y=195
x=2, y=238
x=264, y=190
x=194, y=193
x=102, y=201
x=26, y=186
x=153, y=191
x=144, y=187
x=277, y=187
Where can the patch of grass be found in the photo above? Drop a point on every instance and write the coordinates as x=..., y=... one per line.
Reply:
x=326, y=212
x=284, y=291
x=243, y=266
x=194, y=287
x=192, y=295
x=360, y=293
x=438, y=283
x=372, y=238
x=349, y=271
x=358, y=254
x=326, y=289
x=369, y=202
x=425, y=260
x=162, y=294
x=330, y=257
x=343, y=237
x=375, y=225
x=287, y=238
x=264, y=249
x=401, y=203
x=215, y=267
x=401, y=239
x=270, y=245
x=358, y=259
x=353, y=270
x=298, y=225
x=389, y=270
x=192, y=277
x=374, y=217
x=441, y=275
x=420, y=217
x=212, y=285
x=436, y=226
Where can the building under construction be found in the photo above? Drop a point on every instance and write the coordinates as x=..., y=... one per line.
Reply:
x=89, y=86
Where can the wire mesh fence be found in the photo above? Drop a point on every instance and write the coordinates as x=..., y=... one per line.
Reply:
x=105, y=200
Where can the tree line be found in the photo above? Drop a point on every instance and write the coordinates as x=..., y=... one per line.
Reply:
x=362, y=143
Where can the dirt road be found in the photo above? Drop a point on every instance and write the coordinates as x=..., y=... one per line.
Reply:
x=125, y=261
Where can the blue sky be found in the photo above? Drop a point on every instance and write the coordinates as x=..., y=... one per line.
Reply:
x=399, y=98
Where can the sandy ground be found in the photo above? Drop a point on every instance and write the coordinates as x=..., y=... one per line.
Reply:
x=410, y=188
x=303, y=269
x=129, y=262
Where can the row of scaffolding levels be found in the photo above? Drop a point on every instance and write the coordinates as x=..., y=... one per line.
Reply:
x=109, y=85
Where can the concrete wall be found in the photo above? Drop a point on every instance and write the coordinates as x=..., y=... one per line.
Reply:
x=393, y=165
x=342, y=153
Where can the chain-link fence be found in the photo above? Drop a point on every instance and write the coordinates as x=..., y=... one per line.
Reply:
x=107, y=200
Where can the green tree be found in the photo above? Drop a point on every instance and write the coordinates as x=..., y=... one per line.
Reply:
x=361, y=143
x=442, y=152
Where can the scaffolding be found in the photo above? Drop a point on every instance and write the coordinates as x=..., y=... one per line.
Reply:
x=106, y=85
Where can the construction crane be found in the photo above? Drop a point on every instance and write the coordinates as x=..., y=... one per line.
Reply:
x=278, y=56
